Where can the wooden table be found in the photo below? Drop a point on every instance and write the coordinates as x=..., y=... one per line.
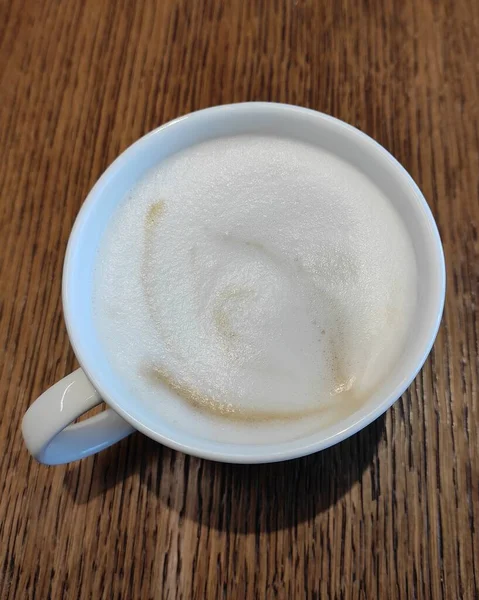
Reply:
x=392, y=512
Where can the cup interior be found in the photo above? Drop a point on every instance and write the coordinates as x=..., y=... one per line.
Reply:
x=292, y=122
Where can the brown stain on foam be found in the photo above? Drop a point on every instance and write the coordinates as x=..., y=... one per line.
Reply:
x=219, y=408
x=258, y=245
x=221, y=312
x=223, y=323
x=155, y=212
x=153, y=216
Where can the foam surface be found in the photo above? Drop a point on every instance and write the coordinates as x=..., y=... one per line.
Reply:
x=259, y=280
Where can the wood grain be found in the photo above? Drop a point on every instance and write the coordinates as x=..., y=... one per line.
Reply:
x=392, y=512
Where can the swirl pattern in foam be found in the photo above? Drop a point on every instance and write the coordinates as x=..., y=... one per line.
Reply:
x=258, y=279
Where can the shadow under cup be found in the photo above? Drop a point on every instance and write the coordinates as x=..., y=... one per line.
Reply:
x=285, y=121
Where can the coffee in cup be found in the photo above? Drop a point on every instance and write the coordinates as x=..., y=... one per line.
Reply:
x=267, y=285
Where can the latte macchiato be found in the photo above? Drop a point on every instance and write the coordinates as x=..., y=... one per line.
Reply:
x=254, y=285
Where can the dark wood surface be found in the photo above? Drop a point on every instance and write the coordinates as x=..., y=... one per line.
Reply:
x=392, y=512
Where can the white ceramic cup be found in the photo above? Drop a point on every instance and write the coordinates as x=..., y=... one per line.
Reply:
x=47, y=428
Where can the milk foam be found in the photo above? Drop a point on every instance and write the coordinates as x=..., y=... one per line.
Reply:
x=261, y=280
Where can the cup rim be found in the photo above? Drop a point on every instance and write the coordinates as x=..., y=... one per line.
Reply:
x=281, y=450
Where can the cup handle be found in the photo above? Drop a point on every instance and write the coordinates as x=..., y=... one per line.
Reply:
x=46, y=425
